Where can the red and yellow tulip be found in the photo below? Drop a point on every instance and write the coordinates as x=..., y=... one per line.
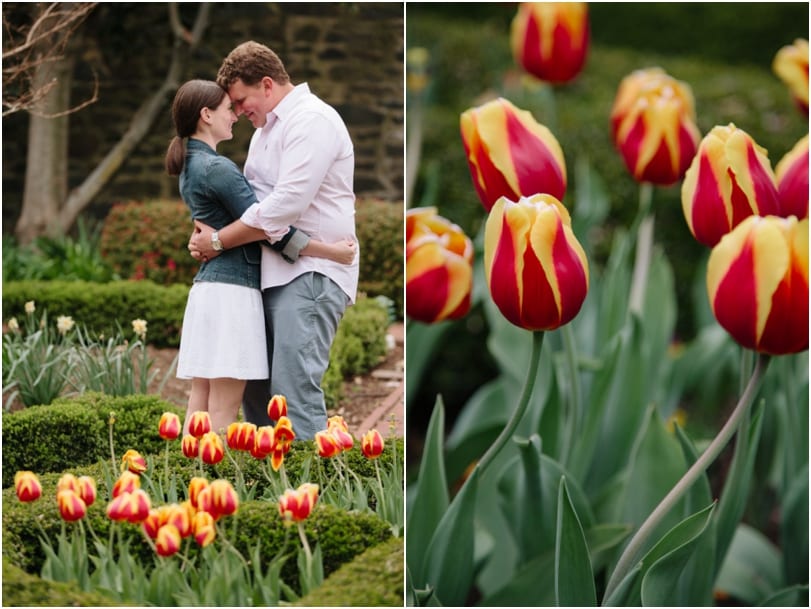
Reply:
x=224, y=497
x=196, y=484
x=68, y=482
x=190, y=446
x=337, y=426
x=277, y=407
x=27, y=486
x=199, y=423
x=127, y=483
x=510, y=154
x=371, y=445
x=133, y=461
x=168, y=540
x=134, y=507
x=439, y=267
x=169, y=426
x=550, y=40
x=263, y=442
x=757, y=282
x=71, y=506
x=791, y=174
x=87, y=490
x=283, y=436
x=791, y=66
x=729, y=180
x=296, y=505
x=327, y=445
x=240, y=435
x=212, y=450
x=536, y=269
x=653, y=126
x=203, y=529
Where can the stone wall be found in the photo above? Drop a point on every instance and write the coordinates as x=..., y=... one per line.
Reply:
x=351, y=55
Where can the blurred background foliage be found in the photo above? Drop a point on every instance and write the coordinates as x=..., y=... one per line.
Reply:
x=723, y=51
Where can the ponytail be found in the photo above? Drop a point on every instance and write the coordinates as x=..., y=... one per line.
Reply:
x=175, y=156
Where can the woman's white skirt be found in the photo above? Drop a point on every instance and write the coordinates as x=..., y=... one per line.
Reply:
x=223, y=333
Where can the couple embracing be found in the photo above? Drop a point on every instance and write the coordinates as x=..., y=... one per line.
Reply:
x=277, y=245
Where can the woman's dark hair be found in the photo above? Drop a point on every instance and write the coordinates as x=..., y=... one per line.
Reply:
x=190, y=99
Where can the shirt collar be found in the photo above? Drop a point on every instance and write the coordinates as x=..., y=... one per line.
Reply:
x=289, y=102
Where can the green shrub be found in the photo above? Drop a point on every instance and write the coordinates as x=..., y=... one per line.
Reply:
x=380, y=568
x=147, y=240
x=359, y=345
x=340, y=534
x=380, y=230
x=104, y=307
x=73, y=432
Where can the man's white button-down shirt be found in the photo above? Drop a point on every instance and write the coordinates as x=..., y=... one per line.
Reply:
x=301, y=166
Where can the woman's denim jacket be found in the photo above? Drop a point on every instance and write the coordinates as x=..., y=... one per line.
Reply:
x=217, y=193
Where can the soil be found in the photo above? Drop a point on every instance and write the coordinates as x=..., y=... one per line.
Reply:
x=362, y=396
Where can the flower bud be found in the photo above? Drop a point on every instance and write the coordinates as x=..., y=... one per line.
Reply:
x=127, y=483
x=439, y=267
x=371, y=445
x=653, y=126
x=729, y=180
x=203, y=529
x=791, y=66
x=536, y=269
x=27, y=486
x=327, y=444
x=168, y=540
x=240, y=435
x=277, y=407
x=212, y=450
x=87, y=490
x=550, y=39
x=226, y=501
x=169, y=426
x=190, y=446
x=180, y=515
x=68, y=482
x=791, y=174
x=263, y=442
x=510, y=154
x=297, y=505
x=71, y=506
x=199, y=423
x=757, y=282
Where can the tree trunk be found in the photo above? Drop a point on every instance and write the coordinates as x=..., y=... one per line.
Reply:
x=46, y=167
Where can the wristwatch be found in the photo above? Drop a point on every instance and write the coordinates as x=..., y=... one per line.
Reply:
x=215, y=241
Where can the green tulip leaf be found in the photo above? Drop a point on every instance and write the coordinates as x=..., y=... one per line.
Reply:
x=574, y=578
x=667, y=559
x=422, y=340
x=532, y=584
x=751, y=571
x=429, y=502
x=602, y=540
x=449, y=560
x=794, y=529
x=787, y=597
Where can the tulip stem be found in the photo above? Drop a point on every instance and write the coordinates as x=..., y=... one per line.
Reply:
x=512, y=424
x=644, y=247
x=573, y=421
x=626, y=560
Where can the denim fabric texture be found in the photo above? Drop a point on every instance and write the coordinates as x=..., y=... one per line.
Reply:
x=217, y=194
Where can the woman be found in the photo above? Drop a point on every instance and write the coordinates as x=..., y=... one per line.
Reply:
x=223, y=338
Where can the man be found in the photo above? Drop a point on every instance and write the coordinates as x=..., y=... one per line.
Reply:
x=301, y=165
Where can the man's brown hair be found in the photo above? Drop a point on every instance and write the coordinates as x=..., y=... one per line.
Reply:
x=250, y=62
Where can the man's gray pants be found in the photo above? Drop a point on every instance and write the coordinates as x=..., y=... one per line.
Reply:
x=301, y=319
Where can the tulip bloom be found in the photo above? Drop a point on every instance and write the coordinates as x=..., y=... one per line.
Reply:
x=87, y=490
x=133, y=461
x=190, y=446
x=199, y=423
x=371, y=445
x=127, y=483
x=510, y=154
x=550, y=39
x=729, y=180
x=196, y=485
x=71, y=506
x=205, y=502
x=653, y=126
x=212, y=450
x=134, y=507
x=203, y=529
x=297, y=505
x=277, y=407
x=169, y=426
x=283, y=436
x=168, y=540
x=536, y=270
x=27, y=486
x=68, y=482
x=240, y=435
x=337, y=426
x=791, y=174
x=327, y=444
x=263, y=442
x=224, y=497
x=439, y=267
x=757, y=281
x=154, y=521
x=180, y=515
x=791, y=66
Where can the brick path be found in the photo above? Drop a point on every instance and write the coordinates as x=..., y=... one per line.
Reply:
x=393, y=406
